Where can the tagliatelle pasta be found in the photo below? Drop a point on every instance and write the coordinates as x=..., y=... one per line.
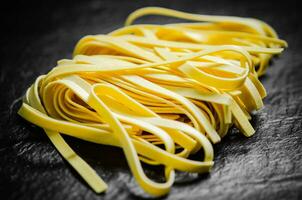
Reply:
x=159, y=92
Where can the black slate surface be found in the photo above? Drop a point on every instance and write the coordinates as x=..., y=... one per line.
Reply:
x=35, y=35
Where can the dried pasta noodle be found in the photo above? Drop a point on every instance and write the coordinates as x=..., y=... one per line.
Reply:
x=159, y=92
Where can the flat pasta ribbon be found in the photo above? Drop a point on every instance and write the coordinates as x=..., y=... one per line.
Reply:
x=159, y=92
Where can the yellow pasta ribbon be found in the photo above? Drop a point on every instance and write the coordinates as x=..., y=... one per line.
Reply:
x=159, y=92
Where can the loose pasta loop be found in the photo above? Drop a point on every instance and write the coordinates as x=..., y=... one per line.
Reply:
x=159, y=92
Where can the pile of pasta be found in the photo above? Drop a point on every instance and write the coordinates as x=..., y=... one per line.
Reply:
x=159, y=92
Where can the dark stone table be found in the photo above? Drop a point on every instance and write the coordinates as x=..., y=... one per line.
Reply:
x=35, y=35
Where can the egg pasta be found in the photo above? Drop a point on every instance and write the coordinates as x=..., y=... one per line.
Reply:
x=159, y=92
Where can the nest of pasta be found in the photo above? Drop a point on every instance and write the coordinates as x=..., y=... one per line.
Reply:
x=159, y=92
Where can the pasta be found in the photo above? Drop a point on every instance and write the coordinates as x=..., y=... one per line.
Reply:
x=159, y=92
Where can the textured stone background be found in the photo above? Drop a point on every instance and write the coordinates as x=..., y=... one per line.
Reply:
x=35, y=35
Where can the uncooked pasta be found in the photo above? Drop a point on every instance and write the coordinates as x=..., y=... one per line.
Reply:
x=159, y=92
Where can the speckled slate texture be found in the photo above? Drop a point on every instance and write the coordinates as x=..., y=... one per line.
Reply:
x=35, y=35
